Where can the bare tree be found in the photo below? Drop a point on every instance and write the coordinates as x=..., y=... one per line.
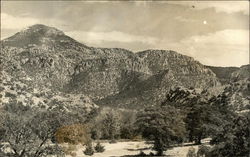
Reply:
x=28, y=135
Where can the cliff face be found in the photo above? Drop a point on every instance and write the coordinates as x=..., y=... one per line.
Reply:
x=162, y=70
x=239, y=88
x=46, y=57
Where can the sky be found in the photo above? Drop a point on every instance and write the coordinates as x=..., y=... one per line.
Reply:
x=213, y=32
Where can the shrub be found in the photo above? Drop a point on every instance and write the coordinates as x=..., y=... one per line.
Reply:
x=89, y=150
x=191, y=152
x=203, y=151
x=142, y=154
x=112, y=141
x=99, y=148
x=151, y=154
x=69, y=150
x=72, y=134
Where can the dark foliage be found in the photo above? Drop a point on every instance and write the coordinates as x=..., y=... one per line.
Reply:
x=99, y=147
x=89, y=149
x=203, y=151
x=163, y=125
x=142, y=154
x=233, y=139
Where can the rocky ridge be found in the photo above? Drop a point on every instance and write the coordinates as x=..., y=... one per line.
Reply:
x=109, y=76
x=235, y=94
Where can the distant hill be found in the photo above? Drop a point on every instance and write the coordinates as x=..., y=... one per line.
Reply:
x=223, y=73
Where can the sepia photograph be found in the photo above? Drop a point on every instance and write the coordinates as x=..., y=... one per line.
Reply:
x=124, y=78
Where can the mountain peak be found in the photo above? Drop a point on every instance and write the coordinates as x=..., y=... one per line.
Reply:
x=37, y=34
x=42, y=29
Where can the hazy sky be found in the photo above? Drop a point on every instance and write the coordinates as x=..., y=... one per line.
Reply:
x=214, y=33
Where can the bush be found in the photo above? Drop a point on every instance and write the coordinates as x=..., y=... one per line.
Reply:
x=99, y=148
x=112, y=141
x=142, y=154
x=89, y=150
x=191, y=152
x=70, y=150
x=72, y=134
x=151, y=154
x=203, y=151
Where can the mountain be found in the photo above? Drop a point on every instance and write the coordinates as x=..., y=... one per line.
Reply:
x=242, y=73
x=223, y=73
x=162, y=70
x=45, y=58
x=40, y=36
x=239, y=88
x=235, y=91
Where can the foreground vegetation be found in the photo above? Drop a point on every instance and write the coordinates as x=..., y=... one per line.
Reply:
x=32, y=132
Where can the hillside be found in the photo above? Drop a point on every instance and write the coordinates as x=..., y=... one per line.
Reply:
x=223, y=73
x=235, y=93
x=236, y=82
x=239, y=88
x=109, y=76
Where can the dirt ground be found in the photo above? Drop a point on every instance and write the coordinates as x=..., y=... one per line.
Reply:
x=121, y=149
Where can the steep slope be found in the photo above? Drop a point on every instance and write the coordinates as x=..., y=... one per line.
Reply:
x=238, y=90
x=165, y=69
x=235, y=94
x=48, y=59
x=17, y=91
x=223, y=73
x=242, y=73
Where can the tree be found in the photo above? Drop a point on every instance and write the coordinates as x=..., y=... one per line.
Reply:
x=206, y=117
x=106, y=125
x=233, y=140
x=128, y=128
x=24, y=140
x=111, y=125
x=197, y=121
x=163, y=125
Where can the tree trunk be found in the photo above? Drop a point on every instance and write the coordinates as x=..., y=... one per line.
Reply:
x=198, y=140
x=191, y=139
